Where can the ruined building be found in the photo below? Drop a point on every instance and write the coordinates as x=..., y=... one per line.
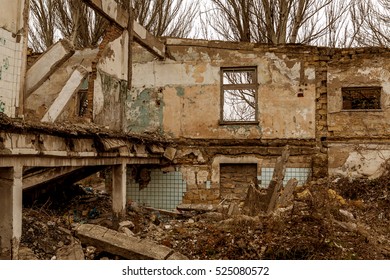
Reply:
x=201, y=122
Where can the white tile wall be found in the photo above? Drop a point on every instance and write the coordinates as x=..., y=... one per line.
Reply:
x=301, y=174
x=10, y=72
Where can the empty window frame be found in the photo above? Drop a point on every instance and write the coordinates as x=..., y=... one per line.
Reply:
x=361, y=98
x=239, y=95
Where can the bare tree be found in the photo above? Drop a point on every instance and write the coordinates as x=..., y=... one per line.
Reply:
x=79, y=23
x=166, y=17
x=53, y=19
x=371, y=23
x=275, y=22
x=42, y=24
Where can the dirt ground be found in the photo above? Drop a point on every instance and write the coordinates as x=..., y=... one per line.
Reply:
x=327, y=219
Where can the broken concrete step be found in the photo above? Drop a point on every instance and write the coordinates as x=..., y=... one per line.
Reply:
x=120, y=244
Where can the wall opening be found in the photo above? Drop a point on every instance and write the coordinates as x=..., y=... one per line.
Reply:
x=239, y=95
x=235, y=180
x=361, y=98
x=153, y=188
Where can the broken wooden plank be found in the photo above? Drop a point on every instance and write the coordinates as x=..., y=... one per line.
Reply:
x=255, y=201
x=276, y=183
x=287, y=194
x=120, y=244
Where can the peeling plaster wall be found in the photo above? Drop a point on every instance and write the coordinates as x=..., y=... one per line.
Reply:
x=109, y=93
x=12, y=61
x=145, y=110
x=110, y=86
x=358, y=143
x=365, y=71
x=191, y=92
x=358, y=160
x=179, y=98
x=200, y=167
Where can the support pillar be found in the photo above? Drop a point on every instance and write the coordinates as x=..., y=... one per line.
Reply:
x=119, y=190
x=10, y=211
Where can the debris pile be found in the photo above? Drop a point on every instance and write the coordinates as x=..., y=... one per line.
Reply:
x=324, y=219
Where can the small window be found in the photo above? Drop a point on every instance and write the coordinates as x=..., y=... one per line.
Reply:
x=239, y=95
x=361, y=98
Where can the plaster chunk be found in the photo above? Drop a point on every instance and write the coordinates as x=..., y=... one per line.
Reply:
x=170, y=153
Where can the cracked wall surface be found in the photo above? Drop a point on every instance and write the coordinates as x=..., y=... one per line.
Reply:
x=299, y=104
x=190, y=85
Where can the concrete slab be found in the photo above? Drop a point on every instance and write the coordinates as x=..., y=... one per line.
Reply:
x=47, y=64
x=65, y=95
x=120, y=244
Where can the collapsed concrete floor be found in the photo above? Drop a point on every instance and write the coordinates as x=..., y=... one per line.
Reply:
x=327, y=219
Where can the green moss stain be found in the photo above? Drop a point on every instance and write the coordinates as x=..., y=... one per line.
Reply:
x=180, y=91
x=145, y=111
x=109, y=83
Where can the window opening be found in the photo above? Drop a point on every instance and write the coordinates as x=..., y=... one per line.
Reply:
x=361, y=98
x=83, y=98
x=239, y=95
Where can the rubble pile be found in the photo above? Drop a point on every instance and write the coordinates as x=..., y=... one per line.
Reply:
x=326, y=219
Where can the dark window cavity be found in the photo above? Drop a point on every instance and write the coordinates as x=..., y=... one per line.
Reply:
x=361, y=98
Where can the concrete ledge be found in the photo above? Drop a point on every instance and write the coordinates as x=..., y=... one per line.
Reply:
x=131, y=248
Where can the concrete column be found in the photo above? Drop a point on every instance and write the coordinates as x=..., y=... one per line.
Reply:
x=10, y=211
x=119, y=190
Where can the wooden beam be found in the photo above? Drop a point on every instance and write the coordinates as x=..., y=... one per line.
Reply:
x=113, y=12
x=276, y=183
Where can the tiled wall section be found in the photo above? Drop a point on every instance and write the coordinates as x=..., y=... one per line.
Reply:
x=301, y=174
x=10, y=71
x=164, y=191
